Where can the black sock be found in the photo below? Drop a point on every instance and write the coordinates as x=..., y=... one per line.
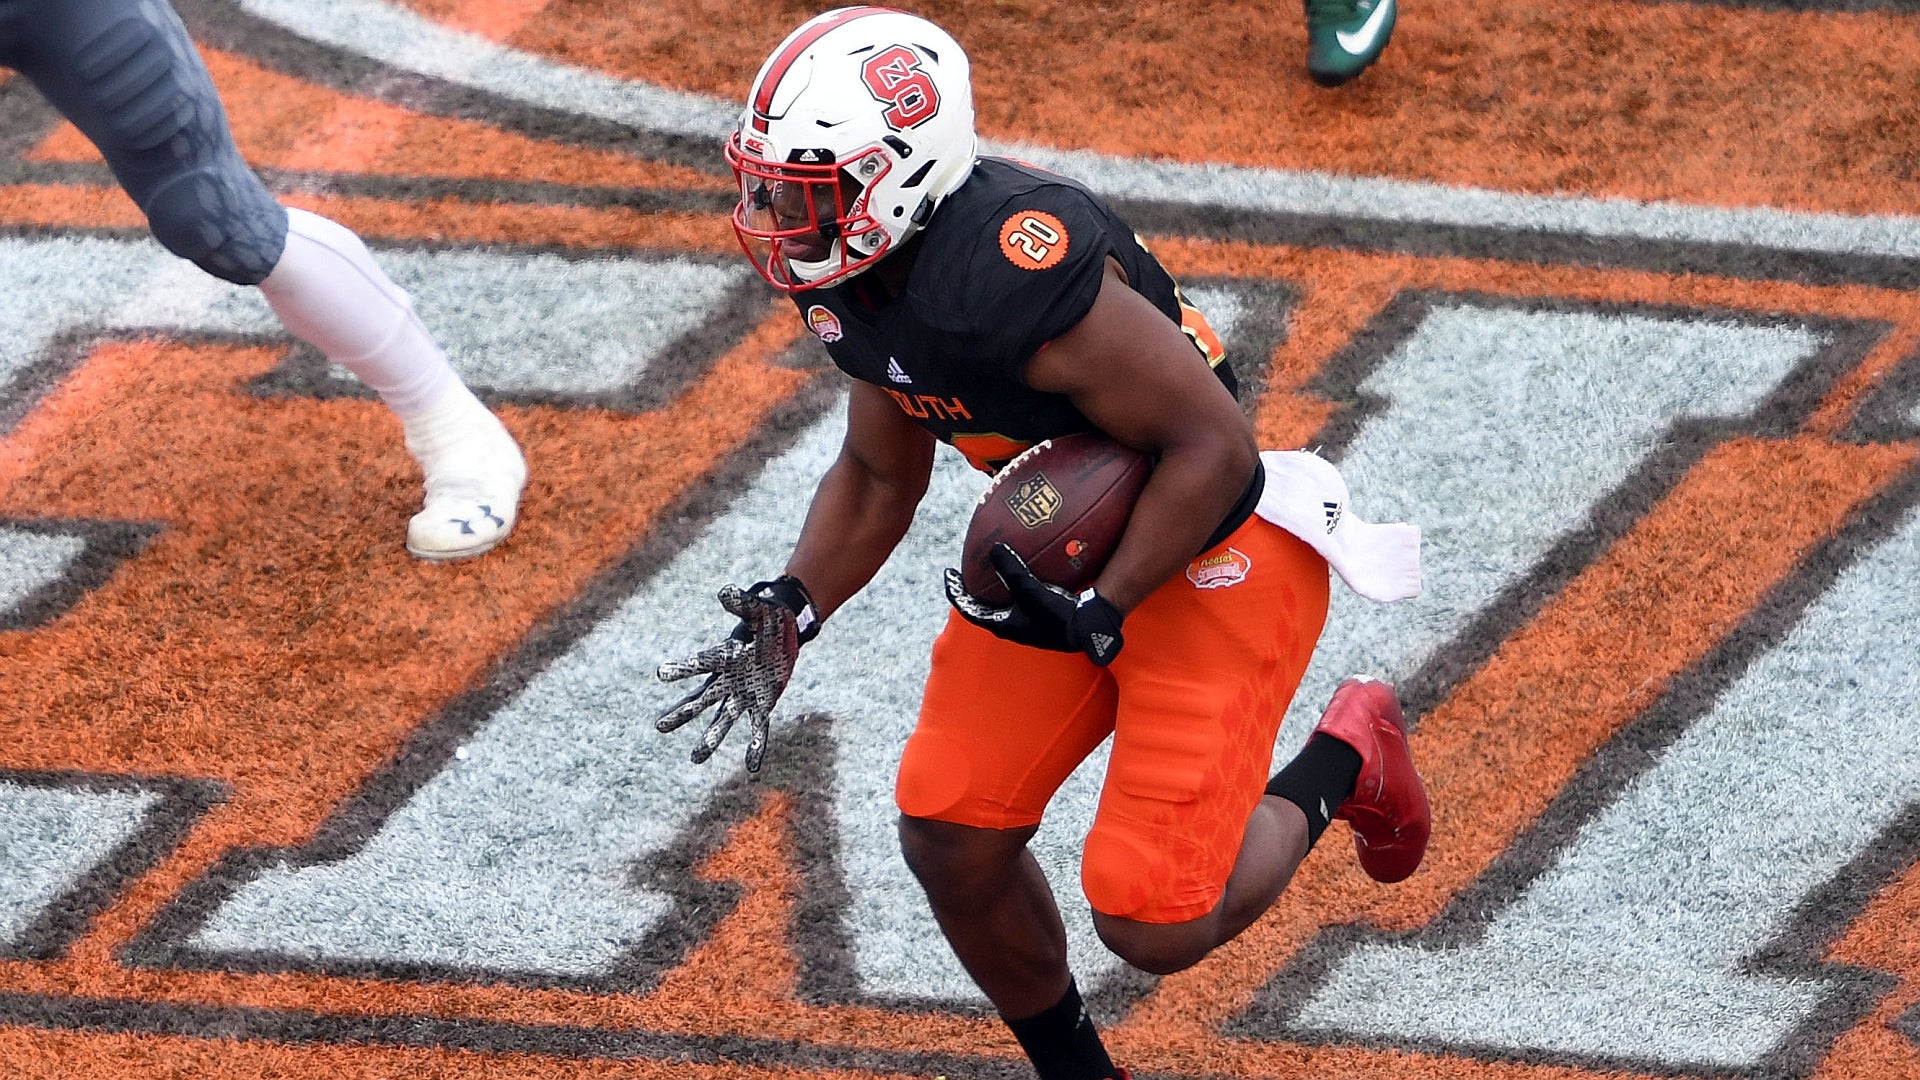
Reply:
x=1062, y=1043
x=1318, y=781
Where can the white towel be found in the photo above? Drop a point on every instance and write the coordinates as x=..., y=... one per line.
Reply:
x=1307, y=496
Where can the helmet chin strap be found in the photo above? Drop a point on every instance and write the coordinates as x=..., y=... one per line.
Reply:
x=810, y=272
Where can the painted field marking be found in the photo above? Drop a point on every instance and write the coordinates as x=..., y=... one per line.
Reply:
x=1633, y=946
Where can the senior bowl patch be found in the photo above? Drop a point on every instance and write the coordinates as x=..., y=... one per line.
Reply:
x=825, y=324
x=1033, y=240
x=1230, y=567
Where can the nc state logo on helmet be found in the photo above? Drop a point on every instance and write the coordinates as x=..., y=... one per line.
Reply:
x=857, y=125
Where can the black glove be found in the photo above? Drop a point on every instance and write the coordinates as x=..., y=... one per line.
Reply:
x=748, y=671
x=1041, y=615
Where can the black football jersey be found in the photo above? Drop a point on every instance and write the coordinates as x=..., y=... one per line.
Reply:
x=1010, y=261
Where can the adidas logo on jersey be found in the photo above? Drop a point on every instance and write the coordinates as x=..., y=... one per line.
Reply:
x=896, y=372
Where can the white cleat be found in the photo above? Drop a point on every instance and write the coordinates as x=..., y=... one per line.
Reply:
x=474, y=474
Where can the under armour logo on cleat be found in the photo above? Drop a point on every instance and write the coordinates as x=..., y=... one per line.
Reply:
x=466, y=524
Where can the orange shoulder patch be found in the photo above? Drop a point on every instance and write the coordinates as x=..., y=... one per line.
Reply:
x=1033, y=240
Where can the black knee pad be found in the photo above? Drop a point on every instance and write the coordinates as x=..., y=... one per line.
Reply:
x=126, y=73
x=220, y=219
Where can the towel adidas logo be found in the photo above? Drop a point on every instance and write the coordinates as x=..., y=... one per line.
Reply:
x=1333, y=510
x=896, y=373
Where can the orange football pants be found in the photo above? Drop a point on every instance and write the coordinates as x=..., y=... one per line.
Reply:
x=1193, y=702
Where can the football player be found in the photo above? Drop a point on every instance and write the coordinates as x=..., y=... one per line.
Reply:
x=127, y=75
x=1017, y=306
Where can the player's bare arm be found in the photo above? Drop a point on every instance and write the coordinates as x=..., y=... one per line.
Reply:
x=1131, y=371
x=860, y=510
x=865, y=502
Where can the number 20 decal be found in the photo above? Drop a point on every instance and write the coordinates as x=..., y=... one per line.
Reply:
x=894, y=77
x=1033, y=240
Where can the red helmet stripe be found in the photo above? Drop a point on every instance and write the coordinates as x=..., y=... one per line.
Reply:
x=777, y=70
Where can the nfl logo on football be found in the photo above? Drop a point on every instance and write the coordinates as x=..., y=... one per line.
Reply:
x=1034, y=502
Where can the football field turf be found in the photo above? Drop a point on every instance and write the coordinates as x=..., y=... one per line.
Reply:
x=1619, y=301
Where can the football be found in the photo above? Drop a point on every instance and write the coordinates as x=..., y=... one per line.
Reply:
x=1061, y=505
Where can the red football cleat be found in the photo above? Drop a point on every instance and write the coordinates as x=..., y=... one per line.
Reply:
x=1388, y=807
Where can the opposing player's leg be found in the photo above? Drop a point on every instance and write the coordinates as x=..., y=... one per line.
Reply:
x=1001, y=727
x=127, y=75
x=328, y=290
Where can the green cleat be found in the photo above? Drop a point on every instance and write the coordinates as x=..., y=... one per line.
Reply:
x=1344, y=36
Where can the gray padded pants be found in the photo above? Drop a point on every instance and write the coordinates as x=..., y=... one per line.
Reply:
x=126, y=74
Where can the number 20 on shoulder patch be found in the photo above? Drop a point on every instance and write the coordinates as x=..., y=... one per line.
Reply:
x=1033, y=240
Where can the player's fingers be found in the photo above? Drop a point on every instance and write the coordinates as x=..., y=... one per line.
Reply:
x=692, y=705
x=738, y=601
x=959, y=597
x=708, y=661
x=716, y=732
x=1014, y=572
x=1020, y=581
x=675, y=670
x=980, y=614
x=1008, y=564
x=757, y=744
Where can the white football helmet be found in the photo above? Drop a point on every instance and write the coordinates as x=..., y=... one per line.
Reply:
x=856, y=127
